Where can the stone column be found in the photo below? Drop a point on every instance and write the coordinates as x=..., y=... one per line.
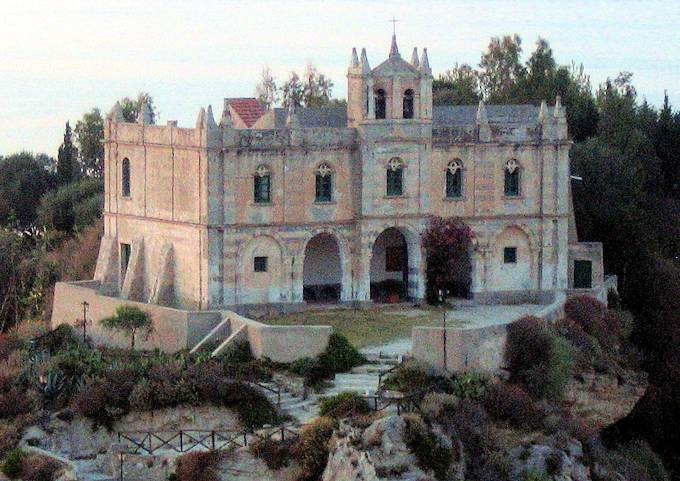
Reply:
x=371, y=99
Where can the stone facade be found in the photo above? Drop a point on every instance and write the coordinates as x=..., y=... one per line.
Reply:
x=324, y=203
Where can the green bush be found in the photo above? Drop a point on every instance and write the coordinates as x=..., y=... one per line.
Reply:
x=639, y=453
x=60, y=338
x=409, y=376
x=549, y=380
x=539, y=358
x=72, y=206
x=428, y=450
x=312, y=448
x=339, y=356
x=343, y=405
x=536, y=476
x=13, y=463
x=437, y=405
x=469, y=385
x=39, y=468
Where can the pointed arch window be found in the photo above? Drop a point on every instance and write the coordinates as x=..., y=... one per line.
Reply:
x=454, y=179
x=395, y=177
x=262, y=189
x=408, y=104
x=324, y=183
x=125, y=178
x=512, y=178
x=380, y=104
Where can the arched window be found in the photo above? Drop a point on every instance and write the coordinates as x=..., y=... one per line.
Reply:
x=380, y=104
x=408, y=104
x=262, y=186
x=512, y=178
x=395, y=177
x=125, y=178
x=454, y=179
x=324, y=183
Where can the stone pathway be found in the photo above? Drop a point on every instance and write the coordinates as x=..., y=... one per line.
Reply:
x=362, y=379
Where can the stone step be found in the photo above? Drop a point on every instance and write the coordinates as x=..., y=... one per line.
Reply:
x=371, y=369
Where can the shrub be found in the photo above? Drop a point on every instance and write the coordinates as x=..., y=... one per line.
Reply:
x=543, y=361
x=511, y=403
x=13, y=463
x=10, y=434
x=529, y=343
x=469, y=385
x=340, y=355
x=435, y=405
x=641, y=454
x=312, y=447
x=15, y=401
x=237, y=352
x=276, y=454
x=8, y=344
x=198, y=466
x=39, y=468
x=424, y=444
x=343, y=405
x=534, y=475
x=409, y=376
x=252, y=407
x=549, y=380
x=105, y=398
x=60, y=338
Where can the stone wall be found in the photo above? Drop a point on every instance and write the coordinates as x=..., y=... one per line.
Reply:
x=481, y=348
x=176, y=329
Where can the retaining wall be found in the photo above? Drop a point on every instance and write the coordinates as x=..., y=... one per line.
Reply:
x=177, y=329
x=481, y=348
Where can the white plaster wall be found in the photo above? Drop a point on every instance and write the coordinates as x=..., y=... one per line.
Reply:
x=261, y=287
x=508, y=277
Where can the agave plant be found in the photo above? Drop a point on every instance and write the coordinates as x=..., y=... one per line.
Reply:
x=51, y=384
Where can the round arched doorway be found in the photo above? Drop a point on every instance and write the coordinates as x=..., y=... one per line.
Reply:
x=389, y=267
x=322, y=270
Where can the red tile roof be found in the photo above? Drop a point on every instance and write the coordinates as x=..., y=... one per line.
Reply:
x=249, y=109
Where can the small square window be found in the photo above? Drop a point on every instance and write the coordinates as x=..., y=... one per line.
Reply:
x=260, y=264
x=510, y=255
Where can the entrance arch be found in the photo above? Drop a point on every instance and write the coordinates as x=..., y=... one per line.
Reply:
x=322, y=269
x=389, y=266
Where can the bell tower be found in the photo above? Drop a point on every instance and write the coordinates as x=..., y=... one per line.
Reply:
x=395, y=90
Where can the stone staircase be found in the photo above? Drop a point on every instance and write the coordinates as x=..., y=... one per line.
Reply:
x=362, y=379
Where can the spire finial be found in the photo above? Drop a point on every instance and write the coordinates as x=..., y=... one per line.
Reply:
x=425, y=63
x=226, y=120
x=543, y=111
x=394, y=50
x=365, y=67
x=354, y=62
x=481, y=113
x=414, y=57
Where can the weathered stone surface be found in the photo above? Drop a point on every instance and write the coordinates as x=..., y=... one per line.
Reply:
x=562, y=464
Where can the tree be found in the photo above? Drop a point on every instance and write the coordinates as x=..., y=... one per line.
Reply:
x=317, y=88
x=266, y=91
x=131, y=321
x=457, y=86
x=501, y=70
x=67, y=158
x=23, y=180
x=90, y=136
x=132, y=107
x=292, y=91
x=72, y=207
x=447, y=244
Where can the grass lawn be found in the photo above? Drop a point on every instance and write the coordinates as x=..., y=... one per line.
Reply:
x=366, y=327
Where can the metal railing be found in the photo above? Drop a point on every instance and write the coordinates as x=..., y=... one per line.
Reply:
x=185, y=440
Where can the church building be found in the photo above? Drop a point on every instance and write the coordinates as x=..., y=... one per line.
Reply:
x=284, y=207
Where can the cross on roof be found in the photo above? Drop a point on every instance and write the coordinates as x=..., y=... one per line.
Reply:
x=394, y=25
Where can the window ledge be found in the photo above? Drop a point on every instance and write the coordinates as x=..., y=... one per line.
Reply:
x=513, y=197
x=126, y=197
x=402, y=196
x=325, y=202
x=455, y=199
x=261, y=204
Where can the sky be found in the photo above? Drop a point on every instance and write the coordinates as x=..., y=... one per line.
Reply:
x=60, y=59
